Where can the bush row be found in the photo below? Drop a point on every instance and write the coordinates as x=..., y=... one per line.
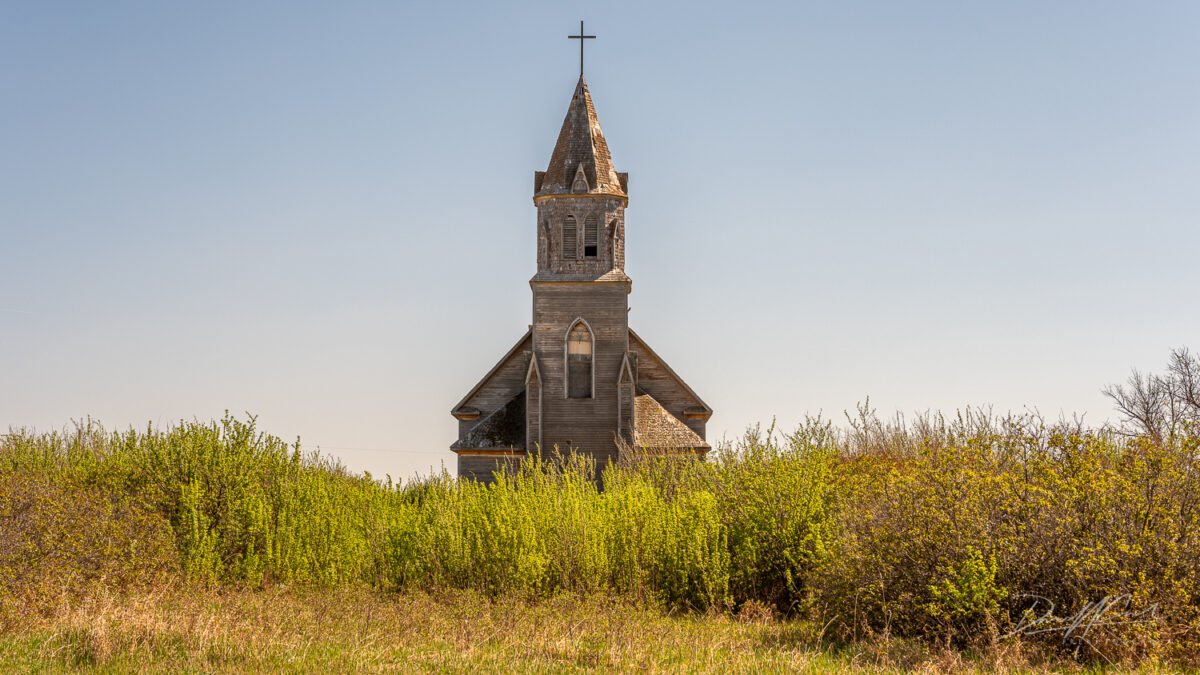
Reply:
x=949, y=529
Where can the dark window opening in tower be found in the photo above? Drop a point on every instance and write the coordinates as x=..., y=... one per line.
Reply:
x=579, y=362
x=589, y=237
x=570, y=238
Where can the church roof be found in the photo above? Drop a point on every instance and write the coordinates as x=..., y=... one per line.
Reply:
x=654, y=427
x=525, y=343
x=580, y=153
x=504, y=428
x=637, y=343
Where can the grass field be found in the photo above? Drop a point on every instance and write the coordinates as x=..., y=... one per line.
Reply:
x=929, y=545
x=359, y=629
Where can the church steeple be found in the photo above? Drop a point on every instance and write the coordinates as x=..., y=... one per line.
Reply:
x=580, y=379
x=581, y=201
x=581, y=148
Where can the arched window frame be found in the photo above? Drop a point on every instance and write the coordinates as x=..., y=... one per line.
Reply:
x=567, y=360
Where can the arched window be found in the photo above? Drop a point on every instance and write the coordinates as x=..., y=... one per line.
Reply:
x=590, y=245
x=579, y=361
x=570, y=238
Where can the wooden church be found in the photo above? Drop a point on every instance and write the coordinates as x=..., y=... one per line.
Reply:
x=580, y=379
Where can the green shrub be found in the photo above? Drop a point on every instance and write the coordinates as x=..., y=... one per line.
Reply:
x=937, y=529
x=58, y=542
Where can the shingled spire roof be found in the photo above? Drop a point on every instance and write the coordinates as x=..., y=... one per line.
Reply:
x=580, y=146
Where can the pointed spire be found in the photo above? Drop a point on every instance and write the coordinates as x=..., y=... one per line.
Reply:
x=580, y=149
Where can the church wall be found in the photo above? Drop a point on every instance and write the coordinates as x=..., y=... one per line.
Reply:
x=654, y=379
x=589, y=424
x=481, y=467
x=501, y=386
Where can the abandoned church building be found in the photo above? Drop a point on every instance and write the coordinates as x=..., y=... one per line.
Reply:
x=579, y=379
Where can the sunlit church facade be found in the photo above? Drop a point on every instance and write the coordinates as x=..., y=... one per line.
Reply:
x=580, y=379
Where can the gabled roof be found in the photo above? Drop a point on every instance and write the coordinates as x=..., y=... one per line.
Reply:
x=656, y=428
x=527, y=337
x=580, y=147
x=504, y=428
x=642, y=343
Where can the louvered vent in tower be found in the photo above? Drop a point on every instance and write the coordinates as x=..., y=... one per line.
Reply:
x=570, y=238
x=589, y=237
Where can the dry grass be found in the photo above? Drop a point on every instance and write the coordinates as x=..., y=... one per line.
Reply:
x=361, y=630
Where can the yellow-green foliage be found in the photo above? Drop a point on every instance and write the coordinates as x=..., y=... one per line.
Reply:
x=937, y=529
x=950, y=532
x=240, y=505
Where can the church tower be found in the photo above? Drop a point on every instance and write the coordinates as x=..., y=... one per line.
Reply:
x=580, y=380
x=580, y=292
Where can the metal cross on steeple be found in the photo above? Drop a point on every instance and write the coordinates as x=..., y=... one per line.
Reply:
x=581, y=37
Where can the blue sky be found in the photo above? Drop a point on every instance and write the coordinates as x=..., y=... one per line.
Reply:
x=321, y=214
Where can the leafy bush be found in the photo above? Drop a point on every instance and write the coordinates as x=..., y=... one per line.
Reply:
x=938, y=529
x=57, y=542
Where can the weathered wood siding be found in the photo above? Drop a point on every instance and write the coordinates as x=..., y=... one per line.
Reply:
x=589, y=424
x=533, y=414
x=625, y=408
x=506, y=379
x=481, y=467
x=655, y=378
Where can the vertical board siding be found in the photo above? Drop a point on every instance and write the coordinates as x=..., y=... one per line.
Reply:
x=587, y=424
x=533, y=416
x=481, y=467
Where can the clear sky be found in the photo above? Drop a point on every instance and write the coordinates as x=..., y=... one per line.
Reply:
x=321, y=213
